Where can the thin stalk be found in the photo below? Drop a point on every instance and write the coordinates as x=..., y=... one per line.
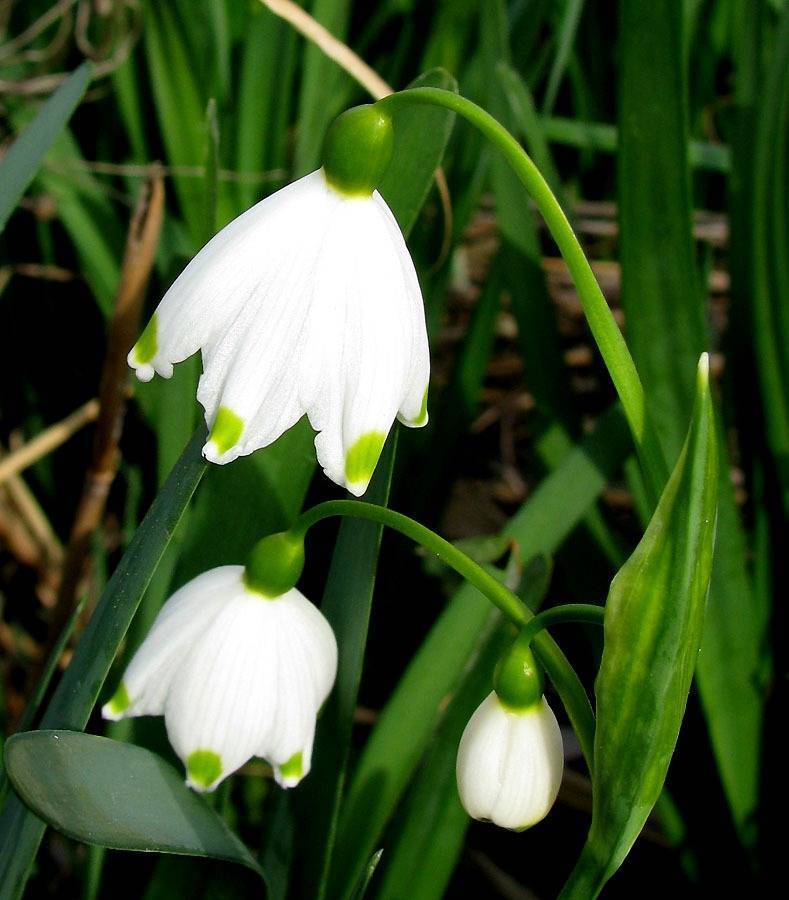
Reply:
x=558, y=615
x=555, y=663
x=601, y=321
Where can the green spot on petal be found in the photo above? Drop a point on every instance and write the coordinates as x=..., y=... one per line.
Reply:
x=422, y=417
x=120, y=701
x=203, y=767
x=146, y=347
x=293, y=768
x=227, y=429
x=362, y=457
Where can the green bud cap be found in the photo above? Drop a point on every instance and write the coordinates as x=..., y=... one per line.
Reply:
x=357, y=150
x=517, y=680
x=274, y=565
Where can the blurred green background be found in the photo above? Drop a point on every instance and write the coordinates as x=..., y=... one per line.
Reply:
x=662, y=127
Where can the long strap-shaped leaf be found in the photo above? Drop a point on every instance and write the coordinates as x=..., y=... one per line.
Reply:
x=20, y=164
x=653, y=622
x=665, y=313
x=70, y=707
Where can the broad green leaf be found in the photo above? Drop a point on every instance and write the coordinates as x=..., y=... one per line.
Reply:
x=392, y=752
x=78, y=689
x=116, y=795
x=420, y=137
x=666, y=329
x=653, y=622
x=769, y=254
x=19, y=165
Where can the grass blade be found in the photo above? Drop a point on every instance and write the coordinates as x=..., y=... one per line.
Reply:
x=20, y=164
x=78, y=690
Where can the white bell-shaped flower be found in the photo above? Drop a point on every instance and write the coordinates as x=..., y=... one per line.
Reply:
x=235, y=674
x=308, y=303
x=510, y=763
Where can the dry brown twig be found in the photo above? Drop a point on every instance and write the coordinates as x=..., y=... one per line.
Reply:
x=48, y=440
x=141, y=244
x=44, y=84
x=15, y=45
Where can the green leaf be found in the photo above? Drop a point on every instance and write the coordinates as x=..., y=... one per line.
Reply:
x=116, y=795
x=568, y=26
x=392, y=753
x=321, y=87
x=23, y=159
x=769, y=247
x=605, y=138
x=78, y=690
x=653, y=622
x=268, y=63
x=666, y=316
x=420, y=138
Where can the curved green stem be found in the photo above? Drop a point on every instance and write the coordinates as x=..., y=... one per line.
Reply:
x=601, y=322
x=555, y=663
x=568, y=612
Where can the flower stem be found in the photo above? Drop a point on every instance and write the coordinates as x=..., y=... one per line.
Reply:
x=555, y=663
x=568, y=612
x=601, y=321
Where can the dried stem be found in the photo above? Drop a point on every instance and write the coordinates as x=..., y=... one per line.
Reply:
x=49, y=439
x=138, y=261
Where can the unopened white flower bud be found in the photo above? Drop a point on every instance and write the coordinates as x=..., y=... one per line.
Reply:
x=510, y=763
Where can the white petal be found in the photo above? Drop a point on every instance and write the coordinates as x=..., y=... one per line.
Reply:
x=480, y=758
x=413, y=409
x=186, y=615
x=510, y=764
x=224, y=692
x=252, y=685
x=222, y=277
x=307, y=669
x=363, y=333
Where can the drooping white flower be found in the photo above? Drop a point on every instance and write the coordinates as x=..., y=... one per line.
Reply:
x=235, y=674
x=308, y=303
x=510, y=763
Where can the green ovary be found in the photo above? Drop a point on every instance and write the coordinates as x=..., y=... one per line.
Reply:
x=227, y=429
x=146, y=347
x=120, y=701
x=204, y=767
x=362, y=457
x=293, y=768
